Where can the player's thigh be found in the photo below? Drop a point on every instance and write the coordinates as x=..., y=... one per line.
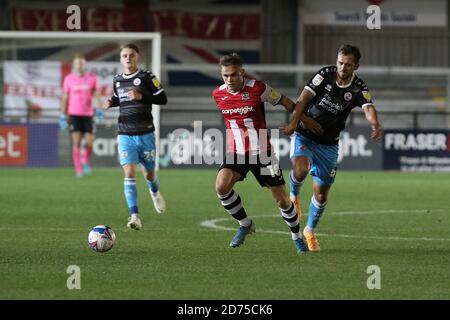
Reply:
x=88, y=126
x=300, y=146
x=324, y=164
x=128, y=152
x=129, y=170
x=147, y=151
x=75, y=124
x=76, y=138
x=234, y=168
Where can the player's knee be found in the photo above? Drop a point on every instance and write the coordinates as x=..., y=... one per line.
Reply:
x=300, y=173
x=283, y=203
x=222, y=188
x=150, y=176
x=321, y=198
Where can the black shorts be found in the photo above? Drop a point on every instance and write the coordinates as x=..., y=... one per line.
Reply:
x=81, y=124
x=265, y=169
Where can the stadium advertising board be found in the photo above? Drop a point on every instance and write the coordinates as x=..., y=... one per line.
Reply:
x=32, y=145
x=104, y=149
x=200, y=146
x=203, y=147
x=417, y=150
x=397, y=13
x=357, y=151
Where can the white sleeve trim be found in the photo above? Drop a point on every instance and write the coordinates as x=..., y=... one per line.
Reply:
x=310, y=90
x=367, y=104
x=158, y=92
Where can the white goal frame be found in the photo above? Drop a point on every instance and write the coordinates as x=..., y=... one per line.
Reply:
x=154, y=65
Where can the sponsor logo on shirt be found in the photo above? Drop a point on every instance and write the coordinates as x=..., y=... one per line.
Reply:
x=330, y=106
x=241, y=110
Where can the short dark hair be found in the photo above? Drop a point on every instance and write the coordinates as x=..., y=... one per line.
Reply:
x=231, y=59
x=347, y=49
x=129, y=46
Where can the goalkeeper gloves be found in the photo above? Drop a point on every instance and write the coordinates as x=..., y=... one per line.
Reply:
x=62, y=122
x=99, y=116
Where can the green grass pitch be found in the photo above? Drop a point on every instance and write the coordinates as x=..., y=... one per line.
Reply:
x=399, y=222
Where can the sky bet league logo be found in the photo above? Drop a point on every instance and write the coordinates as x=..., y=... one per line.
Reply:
x=32, y=145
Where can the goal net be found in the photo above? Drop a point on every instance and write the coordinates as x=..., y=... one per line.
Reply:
x=32, y=68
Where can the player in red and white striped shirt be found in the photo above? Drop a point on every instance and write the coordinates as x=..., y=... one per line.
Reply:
x=241, y=102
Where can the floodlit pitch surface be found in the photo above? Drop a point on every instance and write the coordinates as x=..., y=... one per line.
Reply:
x=399, y=222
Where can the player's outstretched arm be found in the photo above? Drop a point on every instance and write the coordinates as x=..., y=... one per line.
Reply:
x=372, y=117
x=287, y=103
x=299, y=115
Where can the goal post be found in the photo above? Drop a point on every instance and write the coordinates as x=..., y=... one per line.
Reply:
x=13, y=41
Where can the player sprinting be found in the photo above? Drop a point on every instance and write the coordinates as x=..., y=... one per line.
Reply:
x=241, y=102
x=135, y=91
x=319, y=117
x=79, y=88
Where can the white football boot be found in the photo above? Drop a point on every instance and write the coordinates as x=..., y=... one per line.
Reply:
x=158, y=202
x=134, y=222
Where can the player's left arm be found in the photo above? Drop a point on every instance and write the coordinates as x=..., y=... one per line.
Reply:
x=287, y=103
x=372, y=117
x=156, y=94
x=274, y=97
x=364, y=99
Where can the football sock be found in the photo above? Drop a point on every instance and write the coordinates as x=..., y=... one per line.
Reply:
x=316, y=210
x=233, y=204
x=87, y=155
x=153, y=185
x=130, y=189
x=294, y=184
x=291, y=218
x=76, y=156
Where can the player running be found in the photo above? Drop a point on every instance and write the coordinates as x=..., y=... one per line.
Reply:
x=319, y=117
x=135, y=91
x=241, y=102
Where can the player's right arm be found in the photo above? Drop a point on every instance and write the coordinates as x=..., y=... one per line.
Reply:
x=64, y=102
x=299, y=116
x=65, y=96
x=113, y=101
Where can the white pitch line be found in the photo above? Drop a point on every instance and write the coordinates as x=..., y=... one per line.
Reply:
x=52, y=229
x=342, y=213
x=213, y=224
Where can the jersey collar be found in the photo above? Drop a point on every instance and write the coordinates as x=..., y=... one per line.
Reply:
x=128, y=76
x=240, y=90
x=348, y=84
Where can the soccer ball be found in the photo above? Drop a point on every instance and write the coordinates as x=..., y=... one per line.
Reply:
x=101, y=238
